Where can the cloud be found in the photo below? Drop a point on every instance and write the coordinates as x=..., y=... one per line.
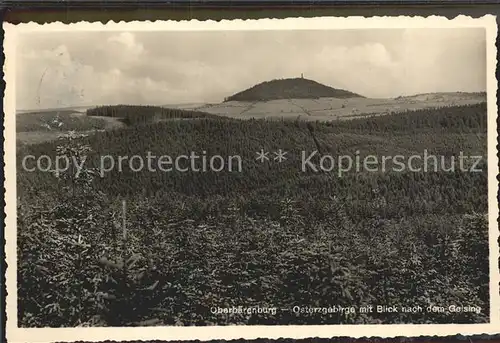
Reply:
x=91, y=68
x=123, y=49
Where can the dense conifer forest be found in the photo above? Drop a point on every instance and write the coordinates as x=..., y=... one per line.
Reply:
x=136, y=115
x=201, y=240
x=295, y=88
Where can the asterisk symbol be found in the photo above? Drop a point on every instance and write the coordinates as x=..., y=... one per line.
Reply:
x=280, y=155
x=262, y=156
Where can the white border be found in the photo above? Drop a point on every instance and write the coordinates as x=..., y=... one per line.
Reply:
x=15, y=334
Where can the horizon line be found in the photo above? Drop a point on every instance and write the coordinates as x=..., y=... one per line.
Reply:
x=222, y=102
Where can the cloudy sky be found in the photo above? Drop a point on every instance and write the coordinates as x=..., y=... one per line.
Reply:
x=59, y=69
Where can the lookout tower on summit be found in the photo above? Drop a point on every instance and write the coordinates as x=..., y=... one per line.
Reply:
x=302, y=75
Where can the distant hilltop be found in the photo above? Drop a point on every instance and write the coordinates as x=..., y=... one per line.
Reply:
x=295, y=88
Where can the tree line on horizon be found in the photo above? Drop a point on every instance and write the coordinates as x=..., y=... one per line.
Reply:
x=140, y=114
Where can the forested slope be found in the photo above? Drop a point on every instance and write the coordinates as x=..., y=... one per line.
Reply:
x=443, y=132
x=199, y=240
x=137, y=115
x=295, y=88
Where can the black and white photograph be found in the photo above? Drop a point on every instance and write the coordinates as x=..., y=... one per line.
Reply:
x=253, y=177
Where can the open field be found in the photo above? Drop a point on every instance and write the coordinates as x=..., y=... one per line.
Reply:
x=70, y=109
x=47, y=125
x=333, y=108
